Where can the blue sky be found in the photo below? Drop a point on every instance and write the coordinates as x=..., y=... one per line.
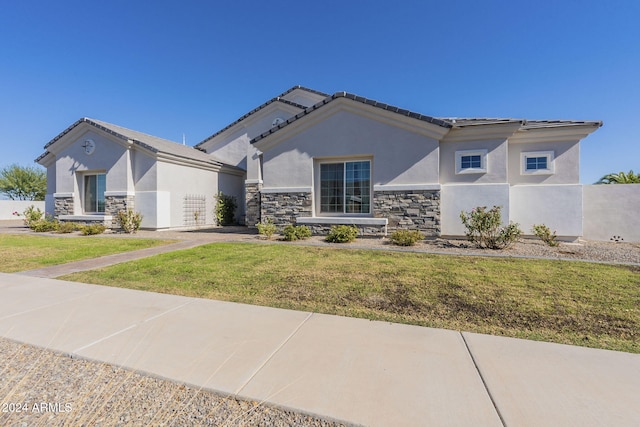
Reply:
x=170, y=68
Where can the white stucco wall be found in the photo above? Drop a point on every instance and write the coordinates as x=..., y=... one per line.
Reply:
x=612, y=210
x=496, y=162
x=8, y=207
x=232, y=145
x=180, y=181
x=455, y=198
x=145, y=172
x=399, y=157
x=155, y=207
x=109, y=156
x=566, y=163
x=559, y=207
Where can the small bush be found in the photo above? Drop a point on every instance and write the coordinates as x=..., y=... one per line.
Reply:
x=129, y=221
x=342, y=234
x=44, y=225
x=485, y=230
x=406, y=237
x=266, y=228
x=91, y=229
x=32, y=215
x=67, y=227
x=544, y=233
x=296, y=232
x=225, y=209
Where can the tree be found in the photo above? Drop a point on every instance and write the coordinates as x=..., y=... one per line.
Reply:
x=23, y=182
x=620, y=178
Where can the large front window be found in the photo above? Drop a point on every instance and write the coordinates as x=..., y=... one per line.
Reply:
x=94, y=187
x=345, y=187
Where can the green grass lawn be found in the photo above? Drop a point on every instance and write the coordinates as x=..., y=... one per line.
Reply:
x=586, y=304
x=27, y=252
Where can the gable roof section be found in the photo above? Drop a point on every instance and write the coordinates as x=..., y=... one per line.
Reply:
x=278, y=98
x=159, y=146
x=360, y=99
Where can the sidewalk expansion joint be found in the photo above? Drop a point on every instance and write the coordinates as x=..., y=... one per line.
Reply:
x=277, y=349
x=135, y=325
x=484, y=383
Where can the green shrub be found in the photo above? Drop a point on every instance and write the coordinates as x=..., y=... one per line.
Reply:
x=296, y=232
x=44, y=225
x=342, y=234
x=91, y=229
x=32, y=215
x=129, y=221
x=545, y=234
x=266, y=228
x=406, y=237
x=65, y=227
x=485, y=230
x=225, y=209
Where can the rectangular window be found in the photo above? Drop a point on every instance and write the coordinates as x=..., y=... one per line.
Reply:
x=345, y=187
x=471, y=161
x=467, y=162
x=537, y=163
x=94, y=188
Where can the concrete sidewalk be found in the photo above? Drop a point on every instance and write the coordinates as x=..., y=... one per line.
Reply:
x=359, y=371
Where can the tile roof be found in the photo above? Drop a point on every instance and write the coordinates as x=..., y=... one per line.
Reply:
x=367, y=101
x=255, y=110
x=149, y=142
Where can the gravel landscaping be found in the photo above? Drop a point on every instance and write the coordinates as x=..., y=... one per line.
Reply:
x=40, y=387
x=608, y=252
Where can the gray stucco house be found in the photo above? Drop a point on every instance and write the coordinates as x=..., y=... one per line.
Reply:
x=305, y=157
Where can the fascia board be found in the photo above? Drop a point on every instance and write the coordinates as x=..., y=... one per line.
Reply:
x=553, y=134
x=390, y=118
x=47, y=160
x=497, y=131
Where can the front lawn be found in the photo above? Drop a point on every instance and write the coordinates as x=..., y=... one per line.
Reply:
x=579, y=303
x=28, y=252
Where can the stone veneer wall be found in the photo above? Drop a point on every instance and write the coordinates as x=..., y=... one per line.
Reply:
x=411, y=210
x=252, y=203
x=115, y=204
x=284, y=208
x=63, y=206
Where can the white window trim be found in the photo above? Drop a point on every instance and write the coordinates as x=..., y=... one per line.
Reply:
x=83, y=192
x=317, y=208
x=550, y=170
x=483, y=161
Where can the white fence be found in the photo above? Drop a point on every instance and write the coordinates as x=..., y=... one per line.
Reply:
x=611, y=210
x=591, y=212
x=8, y=207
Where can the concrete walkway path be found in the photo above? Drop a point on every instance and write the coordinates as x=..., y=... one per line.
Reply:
x=363, y=372
x=108, y=260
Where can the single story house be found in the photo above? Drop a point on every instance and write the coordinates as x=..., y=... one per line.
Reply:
x=95, y=169
x=306, y=157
